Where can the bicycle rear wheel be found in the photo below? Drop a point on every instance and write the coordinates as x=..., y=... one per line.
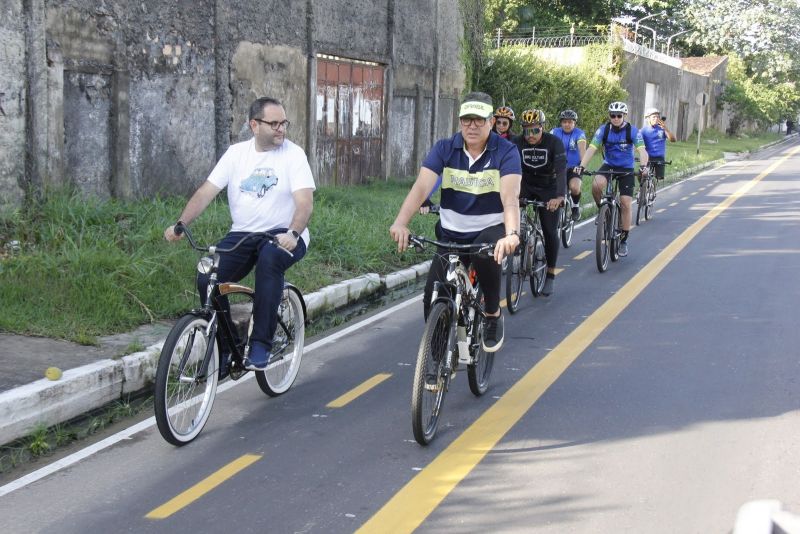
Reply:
x=567, y=225
x=183, y=399
x=287, y=347
x=515, y=277
x=538, y=266
x=430, y=377
x=479, y=372
x=602, y=243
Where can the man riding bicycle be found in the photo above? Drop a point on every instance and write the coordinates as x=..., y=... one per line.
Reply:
x=479, y=203
x=574, y=140
x=655, y=135
x=270, y=188
x=543, y=178
x=618, y=140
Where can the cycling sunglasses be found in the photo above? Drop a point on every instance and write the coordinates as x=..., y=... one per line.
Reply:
x=615, y=115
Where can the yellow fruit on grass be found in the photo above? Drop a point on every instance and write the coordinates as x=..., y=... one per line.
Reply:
x=52, y=373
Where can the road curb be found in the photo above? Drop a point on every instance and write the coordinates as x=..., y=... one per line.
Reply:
x=86, y=388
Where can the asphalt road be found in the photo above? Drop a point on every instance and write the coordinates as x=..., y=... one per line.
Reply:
x=659, y=396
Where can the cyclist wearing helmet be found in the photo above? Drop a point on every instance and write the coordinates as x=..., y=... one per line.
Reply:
x=574, y=140
x=544, y=178
x=503, y=121
x=655, y=135
x=618, y=139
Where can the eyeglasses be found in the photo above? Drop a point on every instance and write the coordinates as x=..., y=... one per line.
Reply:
x=275, y=125
x=615, y=115
x=477, y=121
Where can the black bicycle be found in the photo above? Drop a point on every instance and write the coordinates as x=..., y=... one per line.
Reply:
x=609, y=220
x=566, y=224
x=452, y=337
x=528, y=260
x=191, y=365
x=647, y=191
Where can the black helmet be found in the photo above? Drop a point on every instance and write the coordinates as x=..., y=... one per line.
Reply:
x=568, y=114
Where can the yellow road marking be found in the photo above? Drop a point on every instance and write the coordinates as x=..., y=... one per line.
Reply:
x=662, y=210
x=703, y=188
x=685, y=198
x=693, y=194
x=558, y=270
x=582, y=255
x=673, y=204
x=201, y=488
x=358, y=390
x=412, y=504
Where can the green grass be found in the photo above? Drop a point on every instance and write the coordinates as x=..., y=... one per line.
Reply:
x=87, y=268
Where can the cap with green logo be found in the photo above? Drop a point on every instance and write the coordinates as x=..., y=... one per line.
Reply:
x=475, y=108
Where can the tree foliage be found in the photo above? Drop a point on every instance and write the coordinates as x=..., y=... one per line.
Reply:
x=516, y=76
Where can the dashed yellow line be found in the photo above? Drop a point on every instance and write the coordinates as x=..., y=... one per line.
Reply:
x=582, y=255
x=413, y=503
x=358, y=390
x=685, y=198
x=201, y=488
x=673, y=204
x=693, y=194
x=662, y=210
x=559, y=270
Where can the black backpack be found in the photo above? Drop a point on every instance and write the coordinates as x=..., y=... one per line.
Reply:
x=627, y=134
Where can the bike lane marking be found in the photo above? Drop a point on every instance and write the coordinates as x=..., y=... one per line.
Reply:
x=358, y=391
x=201, y=488
x=582, y=255
x=415, y=501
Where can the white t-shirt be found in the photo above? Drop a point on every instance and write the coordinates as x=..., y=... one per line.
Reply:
x=260, y=185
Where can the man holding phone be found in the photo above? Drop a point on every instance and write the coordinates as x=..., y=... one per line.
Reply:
x=655, y=135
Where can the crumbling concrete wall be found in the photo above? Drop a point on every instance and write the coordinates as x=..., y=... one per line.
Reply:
x=137, y=99
x=12, y=103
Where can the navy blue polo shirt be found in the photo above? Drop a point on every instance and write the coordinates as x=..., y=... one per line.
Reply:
x=470, y=198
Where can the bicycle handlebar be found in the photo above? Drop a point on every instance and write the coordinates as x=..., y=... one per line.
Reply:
x=486, y=249
x=523, y=202
x=609, y=172
x=181, y=228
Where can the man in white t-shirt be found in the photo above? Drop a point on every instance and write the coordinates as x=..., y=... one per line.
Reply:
x=270, y=188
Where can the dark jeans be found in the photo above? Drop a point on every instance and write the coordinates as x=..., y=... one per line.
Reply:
x=488, y=270
x=270, y=262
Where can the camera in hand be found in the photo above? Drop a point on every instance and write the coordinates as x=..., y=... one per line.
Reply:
x=663, y=118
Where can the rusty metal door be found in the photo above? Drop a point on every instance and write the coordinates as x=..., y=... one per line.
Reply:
x=349, y=120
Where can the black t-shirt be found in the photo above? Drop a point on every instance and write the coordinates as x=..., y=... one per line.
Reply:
x=544, y=165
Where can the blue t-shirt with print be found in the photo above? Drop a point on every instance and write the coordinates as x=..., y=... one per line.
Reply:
x=470, y=197
x=617, y=152
x=655, y=140
x=570, y=141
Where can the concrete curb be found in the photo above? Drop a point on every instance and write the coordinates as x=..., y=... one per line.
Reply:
x=92, y=386
x=89, y=387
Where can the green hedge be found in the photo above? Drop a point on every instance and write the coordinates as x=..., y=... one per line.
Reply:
x=527, y=81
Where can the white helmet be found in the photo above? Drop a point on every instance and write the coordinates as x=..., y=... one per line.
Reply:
x=618, y=107
x=650, y=111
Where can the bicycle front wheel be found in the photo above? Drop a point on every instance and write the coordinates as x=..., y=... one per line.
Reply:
x=430, y=375
x=567, y=227
x=602, y=243
x=480, y=370
x=538, y=266
x=615, y=232
x=184, y=394
x=641, y=202
x=515, y=277
x=651, y=198
x=287, y=347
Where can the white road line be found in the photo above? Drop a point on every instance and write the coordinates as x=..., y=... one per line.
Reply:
x=149, y=422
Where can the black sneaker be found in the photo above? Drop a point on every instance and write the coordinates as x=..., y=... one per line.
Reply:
x=623, y=249
x=547, y=290
x=493, y=334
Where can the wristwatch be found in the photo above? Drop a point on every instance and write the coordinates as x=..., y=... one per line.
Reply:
x=295, y=234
